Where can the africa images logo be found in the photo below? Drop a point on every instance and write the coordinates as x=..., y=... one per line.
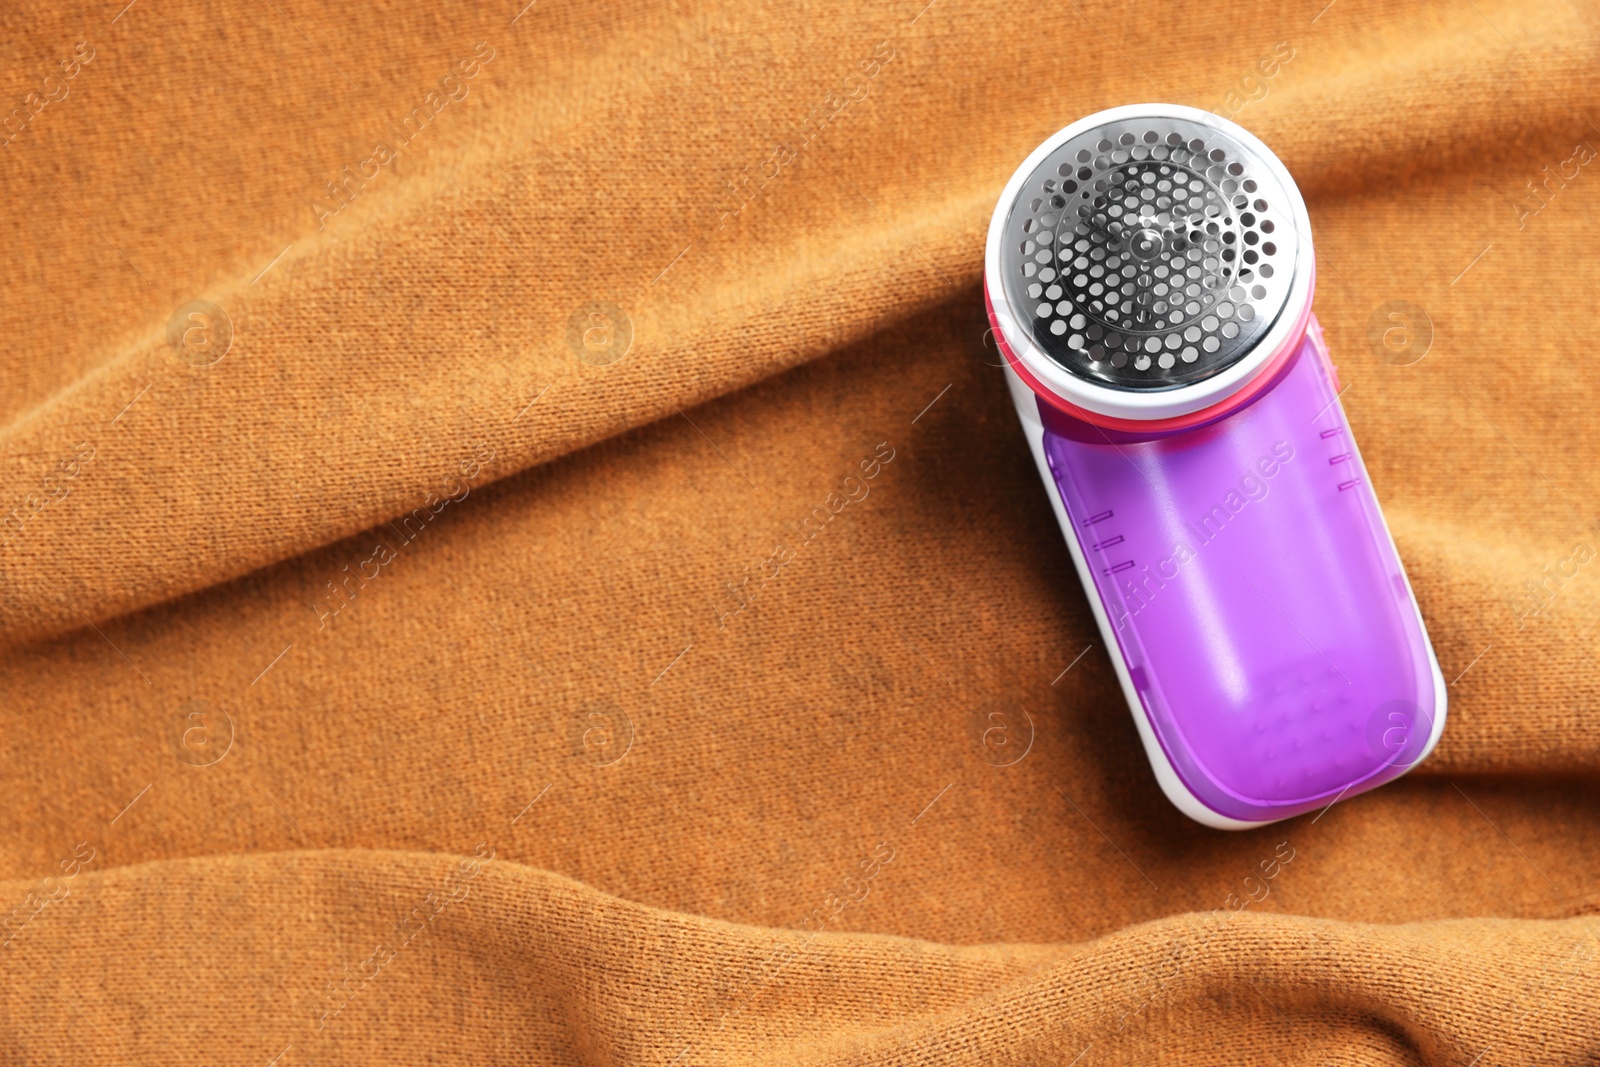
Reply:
x=1253, y=485
x=351, y=181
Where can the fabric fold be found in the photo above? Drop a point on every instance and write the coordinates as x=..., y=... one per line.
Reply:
x=365, y=954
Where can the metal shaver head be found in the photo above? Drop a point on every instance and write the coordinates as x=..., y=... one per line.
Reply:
x=1147, y=263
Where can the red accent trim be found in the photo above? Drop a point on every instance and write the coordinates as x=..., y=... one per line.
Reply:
x=1264, y=379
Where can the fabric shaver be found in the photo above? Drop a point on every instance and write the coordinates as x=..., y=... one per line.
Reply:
x=1149, y=275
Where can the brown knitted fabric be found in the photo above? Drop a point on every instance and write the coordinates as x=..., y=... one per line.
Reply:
x=516, y=550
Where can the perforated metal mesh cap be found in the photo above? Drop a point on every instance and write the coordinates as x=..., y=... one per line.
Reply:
x=1150, y=253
